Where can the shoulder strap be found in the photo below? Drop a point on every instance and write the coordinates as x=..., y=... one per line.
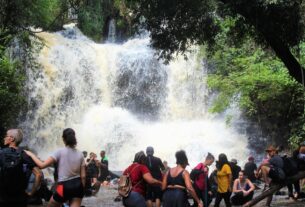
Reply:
x=131, y=172
x=138, y=165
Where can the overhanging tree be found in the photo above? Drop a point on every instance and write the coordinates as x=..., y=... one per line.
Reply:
x=176, y=24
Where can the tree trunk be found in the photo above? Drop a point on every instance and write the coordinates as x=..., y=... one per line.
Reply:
x=275, y=188
x=280, y=48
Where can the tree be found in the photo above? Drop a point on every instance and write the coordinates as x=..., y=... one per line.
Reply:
x=17, y=18
x=174, y=25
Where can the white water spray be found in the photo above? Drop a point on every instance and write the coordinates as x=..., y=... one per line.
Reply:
x=121, y=99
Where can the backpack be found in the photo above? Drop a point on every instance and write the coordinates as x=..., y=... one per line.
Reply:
x=12, y=173
x=125, y=184
x=290, y=166
x=195, y=173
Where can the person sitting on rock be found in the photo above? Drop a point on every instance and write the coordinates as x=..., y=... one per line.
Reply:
x=243, y=189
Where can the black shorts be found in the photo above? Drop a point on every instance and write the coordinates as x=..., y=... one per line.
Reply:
x=153, y=193
x=69, y=189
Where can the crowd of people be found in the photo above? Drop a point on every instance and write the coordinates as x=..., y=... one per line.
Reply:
x=228, y=182
x=151, y=181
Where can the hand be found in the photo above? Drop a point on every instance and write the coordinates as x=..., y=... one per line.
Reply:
x=210, y=193
x=200, y=204
x=245, y=192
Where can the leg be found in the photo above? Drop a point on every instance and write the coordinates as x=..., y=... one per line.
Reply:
x=205, y=197
x=217, y=199
x=76, y=202
x=53, y=203
x=265, y=172
x=158, y=202
x=149, y=203
x=290, y=190
x=226, y=197
x=198, y=193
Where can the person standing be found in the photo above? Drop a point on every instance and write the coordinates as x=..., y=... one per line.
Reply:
x=71, y=171
x=140, y=176
x=177, y=182
x=224, y=180
x=16, y=168
x=104, y=172
x=155, y=165
x=201, y=183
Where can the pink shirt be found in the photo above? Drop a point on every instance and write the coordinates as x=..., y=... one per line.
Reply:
x=200, y=181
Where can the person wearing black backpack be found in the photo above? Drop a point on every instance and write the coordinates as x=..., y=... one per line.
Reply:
x=14, y=166
x=201, y=182
x=155, y=165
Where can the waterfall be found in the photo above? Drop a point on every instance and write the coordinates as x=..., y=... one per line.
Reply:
x=111, y=31
x=121, y=98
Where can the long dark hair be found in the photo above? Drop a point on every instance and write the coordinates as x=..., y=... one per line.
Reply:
x=181, y=158
x=69, y=138
x=222, y=159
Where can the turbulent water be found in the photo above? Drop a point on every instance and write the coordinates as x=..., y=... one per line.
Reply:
x=121, y=98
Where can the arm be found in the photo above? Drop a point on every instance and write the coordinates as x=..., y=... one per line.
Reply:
x=188, y=184
x=235, y=190
x=230, y=182
x=164, y=181
x=252, y=187
x=38, y=162
x=38, y=175
x=83, y=174
x=150, y=180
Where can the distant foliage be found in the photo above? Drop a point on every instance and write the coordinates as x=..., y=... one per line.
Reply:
x=11, y=87
x=91, y=19
x=260, y=84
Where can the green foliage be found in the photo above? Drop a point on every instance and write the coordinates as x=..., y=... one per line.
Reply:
x=174, y=25
x=91, y=20
x=260, y=84
x=18, y=21
x=11, y=88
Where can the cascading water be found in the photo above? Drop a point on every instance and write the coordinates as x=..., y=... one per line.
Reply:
x=111, y=31
x=120, y=98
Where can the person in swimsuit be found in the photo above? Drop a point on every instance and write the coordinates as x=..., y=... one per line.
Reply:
x=176, y=182
x=243, y=190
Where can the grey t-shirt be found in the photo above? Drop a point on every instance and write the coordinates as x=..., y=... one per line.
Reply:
x=69, y=163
